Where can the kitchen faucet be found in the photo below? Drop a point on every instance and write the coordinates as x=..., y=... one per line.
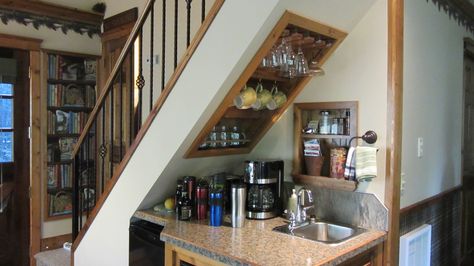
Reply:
x=300, y=216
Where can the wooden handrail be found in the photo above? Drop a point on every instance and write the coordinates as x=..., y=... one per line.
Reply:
x=108, y=85
x=153, y=113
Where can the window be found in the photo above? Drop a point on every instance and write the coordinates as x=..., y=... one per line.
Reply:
x=6, y=123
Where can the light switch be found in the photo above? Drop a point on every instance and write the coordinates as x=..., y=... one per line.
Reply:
x=420, y=147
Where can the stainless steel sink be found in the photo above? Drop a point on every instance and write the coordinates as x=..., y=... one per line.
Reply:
x=329, y=233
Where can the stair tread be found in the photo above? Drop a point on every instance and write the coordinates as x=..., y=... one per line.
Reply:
x=55, y=257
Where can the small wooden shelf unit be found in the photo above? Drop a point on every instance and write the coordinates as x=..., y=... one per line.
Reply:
x=305, y=112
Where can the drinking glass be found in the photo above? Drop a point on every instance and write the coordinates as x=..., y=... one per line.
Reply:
x=301, y=64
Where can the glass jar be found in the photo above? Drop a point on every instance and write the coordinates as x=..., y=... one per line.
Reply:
x=213, y=138
x=324, y=123
x=224, y=136
x=334, y=125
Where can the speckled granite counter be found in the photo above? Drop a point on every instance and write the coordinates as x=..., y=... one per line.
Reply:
x=256, y=243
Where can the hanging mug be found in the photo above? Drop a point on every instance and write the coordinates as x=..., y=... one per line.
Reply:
x=278, y=99
x=245, y=98
x=263, y=97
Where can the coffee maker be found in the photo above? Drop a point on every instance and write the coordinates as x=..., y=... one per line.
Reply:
x=264, y=180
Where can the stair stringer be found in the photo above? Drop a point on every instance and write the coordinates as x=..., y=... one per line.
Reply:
x=228, y=46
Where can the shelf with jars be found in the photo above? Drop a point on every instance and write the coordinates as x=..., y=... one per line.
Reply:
x=322, y=133
x=293, y=53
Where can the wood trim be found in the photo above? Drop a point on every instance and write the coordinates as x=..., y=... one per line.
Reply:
x=55, y=242
x=36, y=154
x=52, y=10
x=430, y=200
x=156, y=108
x=394, y=128
x=126, y=17
x=17, y=42
x=66, y=53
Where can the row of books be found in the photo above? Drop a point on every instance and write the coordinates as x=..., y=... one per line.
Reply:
x=60, y=176
x=62, y=122
x=71, y=95
x=71, y=68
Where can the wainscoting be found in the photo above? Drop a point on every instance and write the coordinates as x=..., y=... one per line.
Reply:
x=443, y=212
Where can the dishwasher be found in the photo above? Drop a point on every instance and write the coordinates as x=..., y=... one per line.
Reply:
x=145, y=247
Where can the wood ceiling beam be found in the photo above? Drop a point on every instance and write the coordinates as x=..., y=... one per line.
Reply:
x=53, y=11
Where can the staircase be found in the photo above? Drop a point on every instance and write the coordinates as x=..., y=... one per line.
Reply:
x=130, y=138
x=133, y=95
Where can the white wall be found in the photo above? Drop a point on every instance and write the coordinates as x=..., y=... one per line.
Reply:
x=433, y=89
x=356, y=71
x=278, y=143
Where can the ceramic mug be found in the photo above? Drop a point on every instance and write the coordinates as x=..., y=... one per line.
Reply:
x=278, y=99
x=263, y=97
x=246, y=98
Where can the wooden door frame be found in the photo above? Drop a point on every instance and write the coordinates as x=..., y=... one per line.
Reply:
x=394, y=128
x=33, y=46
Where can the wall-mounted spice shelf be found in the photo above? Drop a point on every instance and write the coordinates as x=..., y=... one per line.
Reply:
x=317, y=42
x=306, y=113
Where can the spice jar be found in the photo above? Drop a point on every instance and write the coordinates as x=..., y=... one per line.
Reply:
x=324, y=123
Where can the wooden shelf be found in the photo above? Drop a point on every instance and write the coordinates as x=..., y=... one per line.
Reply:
x=255, y=124
x=325, y=182
x=70, y=108
x=318, y=136
x=67, y=82
x=65, y=135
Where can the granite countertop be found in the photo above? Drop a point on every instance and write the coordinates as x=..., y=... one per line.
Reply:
x=256, y=243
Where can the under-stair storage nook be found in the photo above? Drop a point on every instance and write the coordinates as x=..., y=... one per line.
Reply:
x=322, y=131
x=70, y=90
x=289, y=57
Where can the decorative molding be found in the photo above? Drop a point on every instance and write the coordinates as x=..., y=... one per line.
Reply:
x=462, y=11
x=36, y=21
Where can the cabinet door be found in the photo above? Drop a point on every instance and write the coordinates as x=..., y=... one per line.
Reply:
x=175, y=256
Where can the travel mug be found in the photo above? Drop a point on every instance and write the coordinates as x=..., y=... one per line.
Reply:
x=202, y=192
x=238, y=195
x=216, y=208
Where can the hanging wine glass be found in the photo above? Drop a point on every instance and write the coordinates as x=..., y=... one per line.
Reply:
x=301, y=64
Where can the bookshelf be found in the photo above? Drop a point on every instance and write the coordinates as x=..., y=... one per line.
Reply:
x=70, y=90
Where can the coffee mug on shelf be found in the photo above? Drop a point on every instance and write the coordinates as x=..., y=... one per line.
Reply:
x=246, y=98
x=263, y=97
x=278, y=99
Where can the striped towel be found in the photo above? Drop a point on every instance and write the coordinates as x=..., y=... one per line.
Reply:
x=366, y=163
x=349, y=169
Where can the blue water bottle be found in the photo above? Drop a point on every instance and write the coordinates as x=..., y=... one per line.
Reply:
x=215, y=210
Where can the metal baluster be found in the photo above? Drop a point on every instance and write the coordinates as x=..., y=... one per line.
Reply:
x=163, y=45
x=121, y=112
x=102, y=151
x=75, y=201
x=87, y=171
x=188, y=22
x=175, y=56
x=152, y=24
x=112, y=115
x=203, y=10
x=140, y=80
x=132, y=98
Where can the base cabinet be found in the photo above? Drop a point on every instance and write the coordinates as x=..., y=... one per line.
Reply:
x=175, y=256
x=371, y=257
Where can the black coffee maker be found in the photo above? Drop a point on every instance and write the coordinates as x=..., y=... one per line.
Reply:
x=264, y=181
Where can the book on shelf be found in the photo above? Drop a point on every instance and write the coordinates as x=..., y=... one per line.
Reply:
x=72, y=95
x=67, y=67
x=60, y=176
x=61, y=122
x=90, y=66
x=53, y=152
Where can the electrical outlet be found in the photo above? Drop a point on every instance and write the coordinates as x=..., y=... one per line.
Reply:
x=420, y=147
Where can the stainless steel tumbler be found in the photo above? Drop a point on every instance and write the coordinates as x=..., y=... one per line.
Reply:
x=238, y=195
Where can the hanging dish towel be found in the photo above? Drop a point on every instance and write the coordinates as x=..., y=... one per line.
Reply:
x=349, y=170
x=366, y=163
